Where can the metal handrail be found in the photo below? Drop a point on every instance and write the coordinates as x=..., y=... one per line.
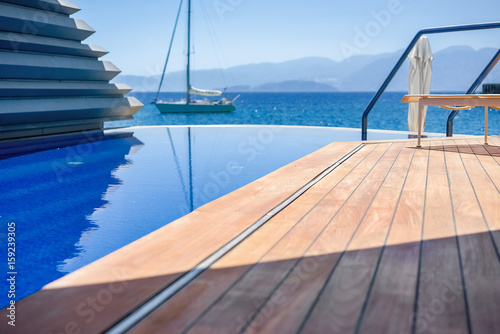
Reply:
x=471, y=90
x=428, y=31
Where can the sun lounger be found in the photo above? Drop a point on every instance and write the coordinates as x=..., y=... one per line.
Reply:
x=455, y=102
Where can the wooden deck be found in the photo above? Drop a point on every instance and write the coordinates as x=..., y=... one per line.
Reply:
x=394, y=240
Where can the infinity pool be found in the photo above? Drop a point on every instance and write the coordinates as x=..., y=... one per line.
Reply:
x=74, y=204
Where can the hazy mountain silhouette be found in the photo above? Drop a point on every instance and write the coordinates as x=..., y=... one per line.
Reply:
x=455, y=69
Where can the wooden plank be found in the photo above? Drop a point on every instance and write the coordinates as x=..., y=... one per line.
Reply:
x=481, y=266
x=280, y=184
x=390, y=303
x=342, y=298
x=175, y=315
x=494, y=148
x=146, y=266
x=485, y=176
x=245, y=298
x=494, y=141
x=440, y=303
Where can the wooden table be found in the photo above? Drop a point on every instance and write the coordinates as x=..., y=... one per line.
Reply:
x=455, y=102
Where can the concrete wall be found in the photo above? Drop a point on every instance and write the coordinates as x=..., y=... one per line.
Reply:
x=50, y=82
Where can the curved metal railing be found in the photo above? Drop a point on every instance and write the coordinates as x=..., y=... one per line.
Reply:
x=428, y=31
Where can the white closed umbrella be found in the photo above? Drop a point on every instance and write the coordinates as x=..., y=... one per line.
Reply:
x=419, y=79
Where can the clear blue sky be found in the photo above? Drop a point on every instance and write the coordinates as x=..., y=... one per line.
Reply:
x=137, y=33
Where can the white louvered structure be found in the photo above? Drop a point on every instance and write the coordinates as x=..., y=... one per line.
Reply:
x=51, y=82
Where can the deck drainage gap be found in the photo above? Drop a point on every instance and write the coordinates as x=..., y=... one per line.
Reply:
x=154, y=303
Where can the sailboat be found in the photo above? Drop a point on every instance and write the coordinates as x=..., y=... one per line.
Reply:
x=191, y=105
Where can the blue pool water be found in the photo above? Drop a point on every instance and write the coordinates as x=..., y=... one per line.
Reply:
x=316, y=109
x=75, y=204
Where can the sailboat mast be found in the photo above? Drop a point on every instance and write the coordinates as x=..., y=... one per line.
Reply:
x=188, y=96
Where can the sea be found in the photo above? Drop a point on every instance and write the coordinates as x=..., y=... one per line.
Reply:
x=331, y=109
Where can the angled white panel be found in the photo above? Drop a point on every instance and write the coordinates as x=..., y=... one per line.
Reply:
x=56, y=6
x=38, y=22
x=17, y=65
x=19, y=111
x=15, y=88
x=33, y=43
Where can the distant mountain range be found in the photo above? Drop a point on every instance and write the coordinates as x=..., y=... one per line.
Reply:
x=454, y=69
x=286, y=86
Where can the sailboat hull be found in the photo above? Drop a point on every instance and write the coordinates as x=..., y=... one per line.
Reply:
x=165, y=107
